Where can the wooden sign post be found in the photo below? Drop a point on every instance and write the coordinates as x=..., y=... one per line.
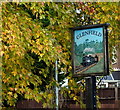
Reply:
x=91, y=93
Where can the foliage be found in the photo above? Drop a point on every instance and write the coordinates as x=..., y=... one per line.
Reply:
x=32, y=41
x=34, y=35
x=109, y=12
x=75, y=91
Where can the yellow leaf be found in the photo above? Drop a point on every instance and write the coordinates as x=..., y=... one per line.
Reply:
x=117, y=18
x=41, y=54
x=47, y=48
x=10, y=93
x=15, y=95
x=1, y=53
x=69, y=92
x=83, y=81
x=71, y=88
x=72, y=95
x=40, y=47
x=104, y=8
x=75, y=98
x=50, y=96
x=6, y=56
x=24, y=71
x=14, y=73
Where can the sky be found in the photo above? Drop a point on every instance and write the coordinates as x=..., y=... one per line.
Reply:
x=81, y=40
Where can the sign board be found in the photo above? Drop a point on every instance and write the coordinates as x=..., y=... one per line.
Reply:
x=90, y=50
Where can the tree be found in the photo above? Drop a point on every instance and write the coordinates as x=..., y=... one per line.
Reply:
x=109, y=12
x=34, y=36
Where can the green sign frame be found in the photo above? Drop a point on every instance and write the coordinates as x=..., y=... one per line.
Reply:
x=90, y=50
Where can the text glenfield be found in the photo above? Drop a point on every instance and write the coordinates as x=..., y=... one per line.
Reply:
x=89, y=32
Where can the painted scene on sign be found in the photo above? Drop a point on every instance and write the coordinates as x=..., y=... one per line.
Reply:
x=88, y=51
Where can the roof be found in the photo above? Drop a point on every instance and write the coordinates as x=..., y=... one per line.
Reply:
x=114, y=76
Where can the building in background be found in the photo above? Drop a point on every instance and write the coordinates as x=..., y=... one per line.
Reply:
x=112, y=80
